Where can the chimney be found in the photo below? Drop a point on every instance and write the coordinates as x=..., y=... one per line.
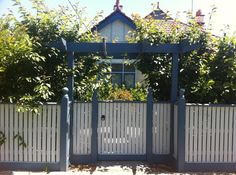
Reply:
x=199, y=17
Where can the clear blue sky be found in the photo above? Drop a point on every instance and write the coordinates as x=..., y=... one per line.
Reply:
x=226, y=12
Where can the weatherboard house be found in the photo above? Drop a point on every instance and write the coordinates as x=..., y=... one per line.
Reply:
x=116, y=27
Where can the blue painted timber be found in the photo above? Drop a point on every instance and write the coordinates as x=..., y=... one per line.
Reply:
x=126, y=157
x=181, y=132
x=163, y=158
x=149, y=141
x=70, y=78
x=174, y=77
x=94, y=141
x=81, y=159
x=29, y=166
x=113, y=48
x=64, y=131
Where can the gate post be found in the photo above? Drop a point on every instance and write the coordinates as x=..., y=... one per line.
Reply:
x=181, y=132
x=94, y=139
x=64, y=131
x=149, y=125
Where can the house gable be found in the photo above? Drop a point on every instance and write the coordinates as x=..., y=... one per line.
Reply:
x=115, y=27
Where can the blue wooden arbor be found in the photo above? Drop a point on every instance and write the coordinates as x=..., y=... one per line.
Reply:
x=104, y=48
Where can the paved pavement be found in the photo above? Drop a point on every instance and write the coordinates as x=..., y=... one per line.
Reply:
x=113, y=168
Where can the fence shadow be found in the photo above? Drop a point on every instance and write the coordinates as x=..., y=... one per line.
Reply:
x=125, y=166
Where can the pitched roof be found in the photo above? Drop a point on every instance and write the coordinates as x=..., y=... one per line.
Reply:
x=159, y=14
x=116, y=15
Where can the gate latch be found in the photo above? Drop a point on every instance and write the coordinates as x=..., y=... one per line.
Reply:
x=103, y=117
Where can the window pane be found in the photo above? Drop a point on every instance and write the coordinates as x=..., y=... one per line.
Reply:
x=129, y=80
x=116, y=67
x=116, y=79
x=129, y=68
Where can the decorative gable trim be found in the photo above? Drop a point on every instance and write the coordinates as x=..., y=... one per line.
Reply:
x=116, y=15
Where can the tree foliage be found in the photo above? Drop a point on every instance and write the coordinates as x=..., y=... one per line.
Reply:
x=30, y=71
x=207, y=74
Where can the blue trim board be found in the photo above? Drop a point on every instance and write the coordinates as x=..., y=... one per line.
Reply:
x=162, y=158
x=124, y=157
x=29, y=166
x=202, y=167
x=81, y=159
x=114, y=48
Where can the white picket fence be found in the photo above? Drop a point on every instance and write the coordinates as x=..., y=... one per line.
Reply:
x=210, y=133
x=161, y=128
x=40, y=133
x=121, y=128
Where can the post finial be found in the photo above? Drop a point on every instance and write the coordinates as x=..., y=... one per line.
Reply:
x=117, y=6
x=65, y=90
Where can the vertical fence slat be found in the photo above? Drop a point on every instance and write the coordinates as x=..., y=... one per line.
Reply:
x=39, y=128
x=168, y=128
x=53, y=148
x=34, y=129
x=20, y=131
x=126, y=128
x=2, y=150
x=49, y=122
x=6, y=132
x=164, y=145
x=136, y=116
x=118, y=128
x=191, y=137
x=209, y=133
x=234, y=134
x=161, y=129
x=200, y=131
x=217, y=135
x=86, y=127
x=204, y=134
x=187, y=135
x=230, y=133
x=145, y=128
x=99, y=128
x=58, y=133
x=110, y=110
x=26, y=149
x=141, y=110
x=213, y=143
x=226, y=134
x=130, y=128
x=11, y=109
x=15, y=131
x=122, y=127
x=195, y=134
x=44, y=130
x=82, y=126
x=221, y=133
x=79, y=129
x=75, y=126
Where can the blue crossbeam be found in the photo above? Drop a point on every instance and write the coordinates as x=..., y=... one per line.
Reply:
x=113, y=48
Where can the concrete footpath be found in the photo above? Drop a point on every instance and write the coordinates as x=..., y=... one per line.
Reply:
x=113, y=168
